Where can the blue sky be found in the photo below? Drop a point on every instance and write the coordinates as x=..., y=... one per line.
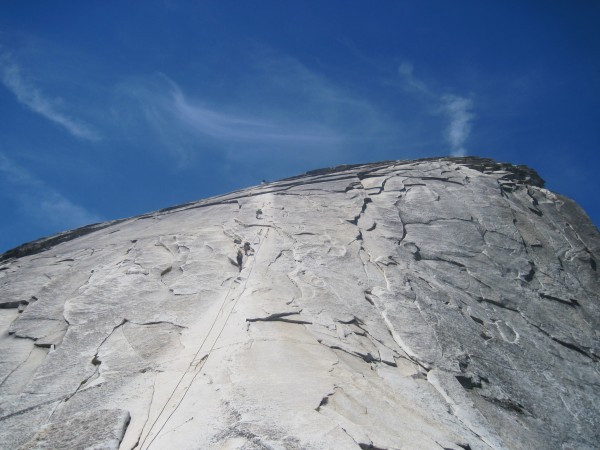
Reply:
x=115, y=108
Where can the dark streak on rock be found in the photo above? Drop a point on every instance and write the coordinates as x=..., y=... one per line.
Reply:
x=571, y=302
x=324, y=401
x=11, y=305
x=364, y=446
x=468, y=382
x=506, y=403
x=30, y=408
x=280, y=317
x=536, y=211
x=368, y=358
x=565, y=344
x=529, y=275
x=571, y=346
x=496, y=303
x=354, y=185
x=477, y=319
x=446, y=180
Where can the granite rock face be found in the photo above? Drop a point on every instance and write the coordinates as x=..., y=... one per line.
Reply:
x=446, y=303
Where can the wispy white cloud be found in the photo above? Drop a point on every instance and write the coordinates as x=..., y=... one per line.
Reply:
x=279, y=108
x=232, y=127
x=411, y=82
x=186, y=126
x=29, y=95
x=40, y=201
x=458, y=110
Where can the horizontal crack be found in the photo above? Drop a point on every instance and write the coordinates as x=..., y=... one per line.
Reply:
x=496, y=303
x=571, y=302
x=565, y=344
x=280, y=317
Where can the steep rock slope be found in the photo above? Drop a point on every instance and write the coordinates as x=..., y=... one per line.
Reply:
x=443, y=303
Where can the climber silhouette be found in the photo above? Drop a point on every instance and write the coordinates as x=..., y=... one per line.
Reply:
x=240, y=257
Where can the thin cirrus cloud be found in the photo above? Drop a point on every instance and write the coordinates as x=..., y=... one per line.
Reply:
x=30, y=96
x=412, y=83
x=229, y=127
x=458, y=110
x=40, y=201
x=157, y=106
x=278, y=107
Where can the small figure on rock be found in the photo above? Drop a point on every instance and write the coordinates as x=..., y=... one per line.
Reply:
x=258, y=213
x=240, y=257
x=247, y=248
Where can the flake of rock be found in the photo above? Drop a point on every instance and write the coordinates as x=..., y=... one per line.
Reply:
x=95, y=429
x=438, y=303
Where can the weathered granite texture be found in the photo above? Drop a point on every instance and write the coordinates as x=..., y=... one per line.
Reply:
x=445, y=303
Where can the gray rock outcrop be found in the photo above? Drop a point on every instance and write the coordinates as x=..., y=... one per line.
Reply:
x=447, y=303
